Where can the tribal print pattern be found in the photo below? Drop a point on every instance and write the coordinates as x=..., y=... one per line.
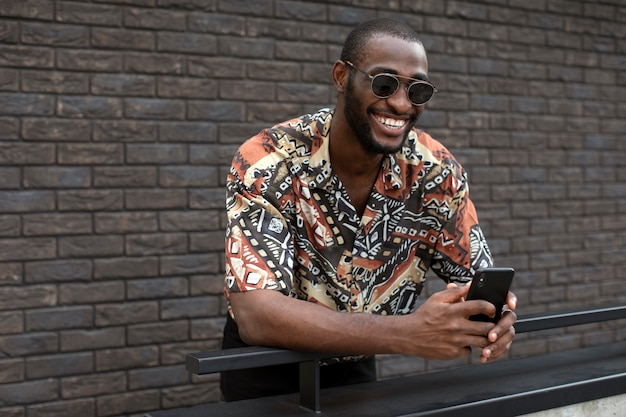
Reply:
x=292, y=227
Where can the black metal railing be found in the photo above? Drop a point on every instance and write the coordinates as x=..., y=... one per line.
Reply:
x=250, y=357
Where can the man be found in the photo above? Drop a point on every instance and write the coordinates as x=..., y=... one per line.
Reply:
x=335, y=218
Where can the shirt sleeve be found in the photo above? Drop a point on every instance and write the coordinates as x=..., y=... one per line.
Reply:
x=259, y=246
x=461, y=247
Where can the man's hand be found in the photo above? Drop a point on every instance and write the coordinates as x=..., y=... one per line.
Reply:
x=445, y=326
x=503, y=333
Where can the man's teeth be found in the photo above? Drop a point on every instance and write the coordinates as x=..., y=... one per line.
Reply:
x=393, y=123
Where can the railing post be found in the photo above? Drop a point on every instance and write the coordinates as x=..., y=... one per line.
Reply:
x=310, y=385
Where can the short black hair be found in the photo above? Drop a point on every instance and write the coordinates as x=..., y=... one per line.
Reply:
x=357, y=42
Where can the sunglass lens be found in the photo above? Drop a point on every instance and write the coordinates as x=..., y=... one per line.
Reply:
x=384, y=85
x=420, y=93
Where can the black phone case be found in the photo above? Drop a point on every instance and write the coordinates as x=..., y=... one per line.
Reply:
x=491, y=284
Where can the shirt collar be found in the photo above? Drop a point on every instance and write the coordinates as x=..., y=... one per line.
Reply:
x=319, y=173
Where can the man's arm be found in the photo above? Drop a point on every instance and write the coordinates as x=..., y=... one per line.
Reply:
x=439, y=329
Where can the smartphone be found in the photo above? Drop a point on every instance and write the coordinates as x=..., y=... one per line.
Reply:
x=491, y=284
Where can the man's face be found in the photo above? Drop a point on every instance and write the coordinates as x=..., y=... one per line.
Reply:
x=382, y=125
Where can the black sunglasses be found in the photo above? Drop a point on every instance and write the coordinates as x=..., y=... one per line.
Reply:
x=384, y=85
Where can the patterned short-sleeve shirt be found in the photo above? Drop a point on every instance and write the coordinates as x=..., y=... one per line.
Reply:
x=292, y=227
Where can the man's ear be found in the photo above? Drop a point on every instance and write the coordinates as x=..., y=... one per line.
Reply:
x=340, y=76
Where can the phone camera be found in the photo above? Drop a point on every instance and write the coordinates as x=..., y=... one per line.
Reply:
x=481, y=280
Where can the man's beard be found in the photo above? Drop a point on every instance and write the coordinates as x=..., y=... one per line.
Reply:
x=360, y=125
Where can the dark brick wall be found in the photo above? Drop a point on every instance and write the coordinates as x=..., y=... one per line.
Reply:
x=118, y=119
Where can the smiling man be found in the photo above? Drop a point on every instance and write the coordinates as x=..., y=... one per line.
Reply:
x=334, y=219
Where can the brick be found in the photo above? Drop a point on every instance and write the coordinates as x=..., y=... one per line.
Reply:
x=77, y=340
x=8, y=80
x=82, y=246
x=186, y=176
x=189, y=395
x=124, y=131
x=10, y=226
x=293, y=10
x=93, y=384
x=188, y=132
x=174, y=353
x=207, y=328
x=123, y=39
x=88, y=13
x=27, y=249
x=122, y=84
x=55, y=34
x=162, y=376
x=215, y=67
x=77, y=408
x=127, y=358
x=262, y=49
x=218, y=23
x=188, y=221
x=87, y=60
x=154, y=64
x=157, y=288
x=56, y=177
x=189, y=263
x=28, y=392
x=528, y=105
x=156, y=244
x=258, y=112
x=190, y=43
x=85, y=293
x=307, y=93
x=11, y=322
x=55, y=130
x=90, y=154
x=26, y=104
x=207, y=284
x=28, y=344
x=179, y=87
x=59, y=365
x=33, y=9
x=57, y=271
x=156, y=153
x=11, y=370
x=26, y=57
x=125, y=267
x=219, y=111
x=154, y=19
x=10, y=273
x=90, y=200
x=156, y=199
x=8, y=130
x=125, y=177
x=206, y=241
x=89, y=107
x=162, y=332
x=59, y=318
x=143, y=108
x=26, y=153
x=565, y=74
x=126, y=313
x=134, y=222
x=191, y=5
x=565, y=174
x=190, y=307
x=524, y=70
x=9, y=32
x=206, y=198
x=528, y=35
x=128, y=403
x=257, y=8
